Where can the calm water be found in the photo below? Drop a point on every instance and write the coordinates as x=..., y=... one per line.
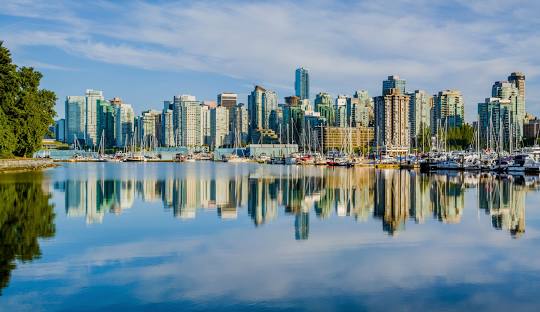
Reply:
x=217, y=236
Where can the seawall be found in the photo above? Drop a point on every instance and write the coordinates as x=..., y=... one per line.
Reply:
x=24, y=164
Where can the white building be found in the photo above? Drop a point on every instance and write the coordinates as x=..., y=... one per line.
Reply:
x=219, y=121
x=75, y=118
x=124, y=124
x=93, y=97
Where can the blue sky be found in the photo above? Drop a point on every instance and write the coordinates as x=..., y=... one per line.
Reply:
x=148, y=51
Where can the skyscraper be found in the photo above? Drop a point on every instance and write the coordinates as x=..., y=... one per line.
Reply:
x=392, y=122
x=124, y=124
x=393, y=82
x=448, y=110
x=167, y=124
x=518, y=79
x=227, y=99
x=419, y=112
x=301, y=83
x=219, y=125
x=93, y=99
x=261, y=103
x=75, y=118
x=341, y=111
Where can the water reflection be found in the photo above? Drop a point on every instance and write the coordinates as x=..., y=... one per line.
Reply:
x=265, y=192
x=25, y=216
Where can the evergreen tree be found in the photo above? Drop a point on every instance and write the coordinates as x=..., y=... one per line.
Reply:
x=25, y=110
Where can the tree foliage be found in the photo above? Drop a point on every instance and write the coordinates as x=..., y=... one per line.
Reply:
x=460, y=138
x=26, y=111
x=25, y=216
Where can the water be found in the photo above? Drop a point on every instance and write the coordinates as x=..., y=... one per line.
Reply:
x=218, y=236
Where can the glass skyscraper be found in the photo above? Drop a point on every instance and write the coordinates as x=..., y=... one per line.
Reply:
x=301, y=83
x=393, y=82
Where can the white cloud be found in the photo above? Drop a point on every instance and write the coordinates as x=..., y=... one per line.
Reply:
x=346, y=46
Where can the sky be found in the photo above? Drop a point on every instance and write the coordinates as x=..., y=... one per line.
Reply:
x=148, y=51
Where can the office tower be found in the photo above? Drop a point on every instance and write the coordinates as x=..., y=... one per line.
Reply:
x=60, y=130
x=364, y=109
x=93, y=100
x=167, y=130
x=261, y=103
x=518, y=79
x=495, y=117
x=239, y=124
x=206, y=125
x=292, y=100
x=75, y=111
x=190, y=122
x=106, y=123
x=323, y=98
x=150, y=125
x=324, y=105
x=301, y=83
x=227, y=99
x=341, y=111
x=219, y=125
x=448, y=110
x=124, y=125
x=392, y=122
x=255, y=108
x=501, y=117
x=393, y=82
x=419, y=113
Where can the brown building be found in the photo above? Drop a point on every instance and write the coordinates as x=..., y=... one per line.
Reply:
x=347, y=138
x=531, y=129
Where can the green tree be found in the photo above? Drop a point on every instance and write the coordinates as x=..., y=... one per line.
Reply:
x=25, y=216
x=25, y=110
x=460, y=138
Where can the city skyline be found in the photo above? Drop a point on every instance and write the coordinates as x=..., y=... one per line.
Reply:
x=75, y=52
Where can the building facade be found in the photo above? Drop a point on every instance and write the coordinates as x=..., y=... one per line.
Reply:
x=392, y=122
x=301, y=83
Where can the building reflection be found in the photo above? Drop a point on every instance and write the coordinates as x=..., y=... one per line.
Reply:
x=395, y=198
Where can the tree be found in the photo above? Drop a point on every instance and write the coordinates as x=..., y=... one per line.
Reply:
x=460, y=137
x=25, y=110
x=25, y=216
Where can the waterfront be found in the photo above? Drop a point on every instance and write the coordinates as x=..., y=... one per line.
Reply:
x=205, y=235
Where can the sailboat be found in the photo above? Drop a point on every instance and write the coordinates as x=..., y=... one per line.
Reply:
x=234, y=157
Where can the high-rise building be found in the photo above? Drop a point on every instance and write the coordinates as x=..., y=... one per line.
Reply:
x=364, y=109
x=419, y=113
x=518, y=79
x=167, y=130
x=392, y=122
x=448, y=110
x=261, y=103
x=393, y=82
x=60, y=130
x=206, y=125
x=75, y=111
x=301, y=83
x=150, y=125
x=219, y=125
x=190, y=130
x=106, y=123
x=124, y=125
x=324, y=105
x=227, y=99
x=93, y=101
x=502, y=116
x=239, y=124
x=341, y=111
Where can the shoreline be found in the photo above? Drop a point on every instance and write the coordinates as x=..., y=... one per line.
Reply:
x=21, y=165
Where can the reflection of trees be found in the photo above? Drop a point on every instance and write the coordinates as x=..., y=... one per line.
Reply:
x=25, y=216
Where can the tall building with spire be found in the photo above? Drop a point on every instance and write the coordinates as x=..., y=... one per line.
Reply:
x=301, y=83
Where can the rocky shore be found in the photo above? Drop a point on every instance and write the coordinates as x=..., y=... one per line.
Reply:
x=9, y=165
